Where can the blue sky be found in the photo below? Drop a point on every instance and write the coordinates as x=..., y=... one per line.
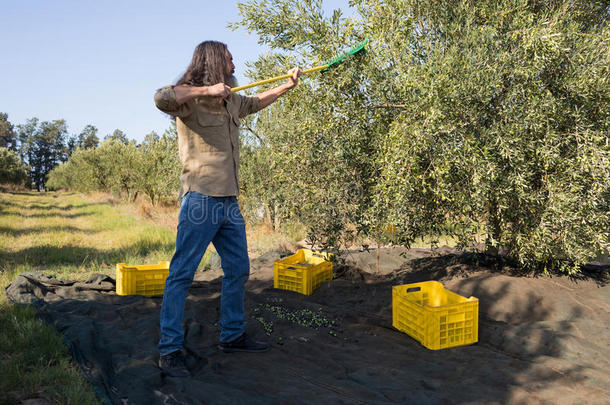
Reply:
x=99, y=62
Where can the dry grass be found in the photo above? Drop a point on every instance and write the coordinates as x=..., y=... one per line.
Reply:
x=262, y=238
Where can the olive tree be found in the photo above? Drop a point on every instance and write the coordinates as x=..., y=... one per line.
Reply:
x=486, y=121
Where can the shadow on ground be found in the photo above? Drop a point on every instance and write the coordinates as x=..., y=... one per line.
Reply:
x=48, y=205
x=43, y=229
x=77, y=255
x=48, y=214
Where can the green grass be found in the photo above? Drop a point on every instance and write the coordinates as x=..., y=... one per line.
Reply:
x=65, y=235
x=35, y=363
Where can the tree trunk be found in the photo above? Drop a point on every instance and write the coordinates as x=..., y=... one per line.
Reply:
x=377, y=260
x=267, y=214
x=276, y=217
x=492, y=242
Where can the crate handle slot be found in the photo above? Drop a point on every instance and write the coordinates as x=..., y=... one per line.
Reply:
x=413, y=289
x=318, y=255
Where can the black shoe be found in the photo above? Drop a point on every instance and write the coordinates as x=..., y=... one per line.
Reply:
x=173, y=364
x=244, y=344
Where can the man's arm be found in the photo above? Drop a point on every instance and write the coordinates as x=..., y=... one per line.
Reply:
x=173, y=100
x=186, y=93
x=269, y=96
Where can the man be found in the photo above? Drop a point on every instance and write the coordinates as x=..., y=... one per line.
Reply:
x=207, y=119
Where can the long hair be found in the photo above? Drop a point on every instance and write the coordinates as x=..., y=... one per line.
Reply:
x=208, y=65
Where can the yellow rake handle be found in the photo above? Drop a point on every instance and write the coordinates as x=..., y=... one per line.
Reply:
x=275, y=79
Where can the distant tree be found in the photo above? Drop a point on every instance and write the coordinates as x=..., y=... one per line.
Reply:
x=149, y=139
x=128, y=170
x=159, y=167
x=88, y=137
x=8, y=138
x=82, y=172
x=71, y=144
x=43, y=146
x=12, y=169
x=25, y=136
x=117, y=135
x=117, y=160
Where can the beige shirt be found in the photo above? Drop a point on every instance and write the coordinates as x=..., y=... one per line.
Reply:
x=208, y=140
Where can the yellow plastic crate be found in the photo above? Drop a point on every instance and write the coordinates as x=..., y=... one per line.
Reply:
x=146, y=279
x=302, y=272
x=434, y=316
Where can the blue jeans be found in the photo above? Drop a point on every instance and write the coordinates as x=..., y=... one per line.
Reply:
x=204, y=219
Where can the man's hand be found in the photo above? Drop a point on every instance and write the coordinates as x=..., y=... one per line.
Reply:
x=294, y=80
x=268, y=97
x=219, y=90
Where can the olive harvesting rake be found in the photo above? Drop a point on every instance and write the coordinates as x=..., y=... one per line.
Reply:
x=361, y=47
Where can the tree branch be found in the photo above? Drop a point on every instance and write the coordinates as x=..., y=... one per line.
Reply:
x=253, y=133
x=390, y=106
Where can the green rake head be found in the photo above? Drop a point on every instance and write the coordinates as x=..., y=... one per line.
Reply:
x=361, y=47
